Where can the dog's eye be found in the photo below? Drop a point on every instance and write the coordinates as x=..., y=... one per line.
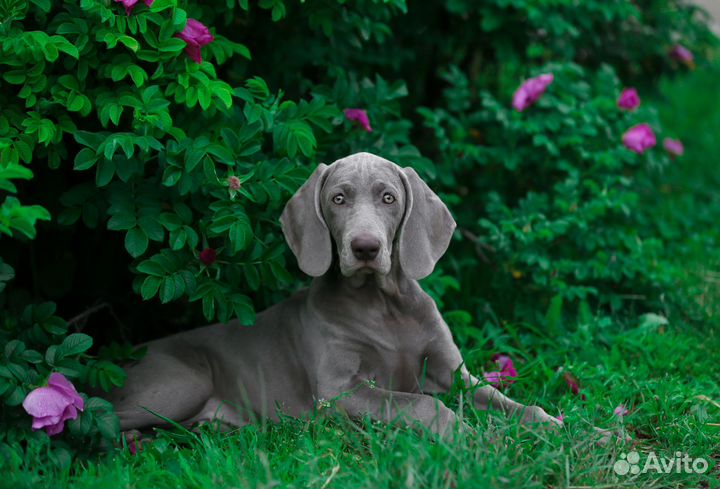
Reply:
x=339, y=199
x=388, y=198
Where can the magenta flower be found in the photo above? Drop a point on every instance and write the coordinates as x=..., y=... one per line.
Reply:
x=682, y=54
x=530, y=91
x=574, y=385
x=195, y=35
x=505, y=375
x=51, y=406
x=639, y=138
x=572, y=382
x=674, y=147
x=629, y=99
x=561, y=417
x=621, y=411
x=130, y=4
x=135, y=446
x=207, y=256
x=360, y=116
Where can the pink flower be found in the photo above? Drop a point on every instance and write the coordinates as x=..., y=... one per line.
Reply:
x=360, y=116
x=674, y=147
x=51, y=406
x=234, y=183
x=682, y=54
x=135, y=446
x=574, y=385
x=639, y=138
x=207, y=256
x=195, y=35
x=530, y=91
x=621, y=411
x=561, y=417
x=506, y=374
x=629, y=99
x=130, y=4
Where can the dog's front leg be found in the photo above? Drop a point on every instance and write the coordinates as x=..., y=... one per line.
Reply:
x=444, y=359
x=340, y=382
x=488, y=397
x=394, y=406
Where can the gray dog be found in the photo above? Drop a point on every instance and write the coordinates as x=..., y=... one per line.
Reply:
x=364, y=335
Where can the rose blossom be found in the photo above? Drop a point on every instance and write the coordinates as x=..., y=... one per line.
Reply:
x=208, y=256
x=530, y=91
x=506, y=374
x=674, y=147
x=360, y=116
x=130, y=4
x=54, y=404
x=620, y=411
x=195, y=35
x=629, y=99
x=639, y=138
x=682, y=54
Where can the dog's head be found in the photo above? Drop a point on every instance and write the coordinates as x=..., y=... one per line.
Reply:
x=366, y=205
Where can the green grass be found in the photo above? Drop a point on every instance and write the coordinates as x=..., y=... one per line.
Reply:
x=667, y=374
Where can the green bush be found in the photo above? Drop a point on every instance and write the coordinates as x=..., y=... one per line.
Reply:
x=558, y=191
x=166, y=177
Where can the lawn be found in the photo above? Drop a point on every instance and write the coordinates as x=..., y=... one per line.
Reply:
x=665, y=372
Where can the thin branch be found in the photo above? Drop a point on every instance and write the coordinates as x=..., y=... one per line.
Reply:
x=479, y=245
x=86, y=314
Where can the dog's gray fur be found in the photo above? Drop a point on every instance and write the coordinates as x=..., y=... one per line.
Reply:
x=364, y=335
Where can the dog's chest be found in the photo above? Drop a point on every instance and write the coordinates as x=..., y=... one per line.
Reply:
x=393, y=351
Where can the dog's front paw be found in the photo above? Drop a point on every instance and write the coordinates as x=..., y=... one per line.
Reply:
x=535, y=415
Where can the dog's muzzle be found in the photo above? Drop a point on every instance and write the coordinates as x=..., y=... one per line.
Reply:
x=364, y=253
x=365, y=247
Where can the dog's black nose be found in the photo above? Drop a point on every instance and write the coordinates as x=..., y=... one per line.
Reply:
x=365, y=247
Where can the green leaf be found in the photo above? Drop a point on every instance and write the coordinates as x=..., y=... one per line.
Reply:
x=62, y=44
x=150, y=287
x=74, y=344
x=243, y=309
x=136, y=241
x=108, y=425
x=153, y=229
x=81, y=425
x=172, y=45
x=137, y=74
x=208, y=305
x=105, y=172
x=258, y=88
x=14, y=347
x=16, y=397
x=151, y=267
x=178, y=239
x=129, y=42
x=160, y=5
x=122, y=221
x=51, y=354
x=240, y=234
x=167, y=290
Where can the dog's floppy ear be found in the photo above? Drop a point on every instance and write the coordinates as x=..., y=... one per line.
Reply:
x=426, y=228
x=304, y=227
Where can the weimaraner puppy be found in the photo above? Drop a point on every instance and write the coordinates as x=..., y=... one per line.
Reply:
x=364, y=337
